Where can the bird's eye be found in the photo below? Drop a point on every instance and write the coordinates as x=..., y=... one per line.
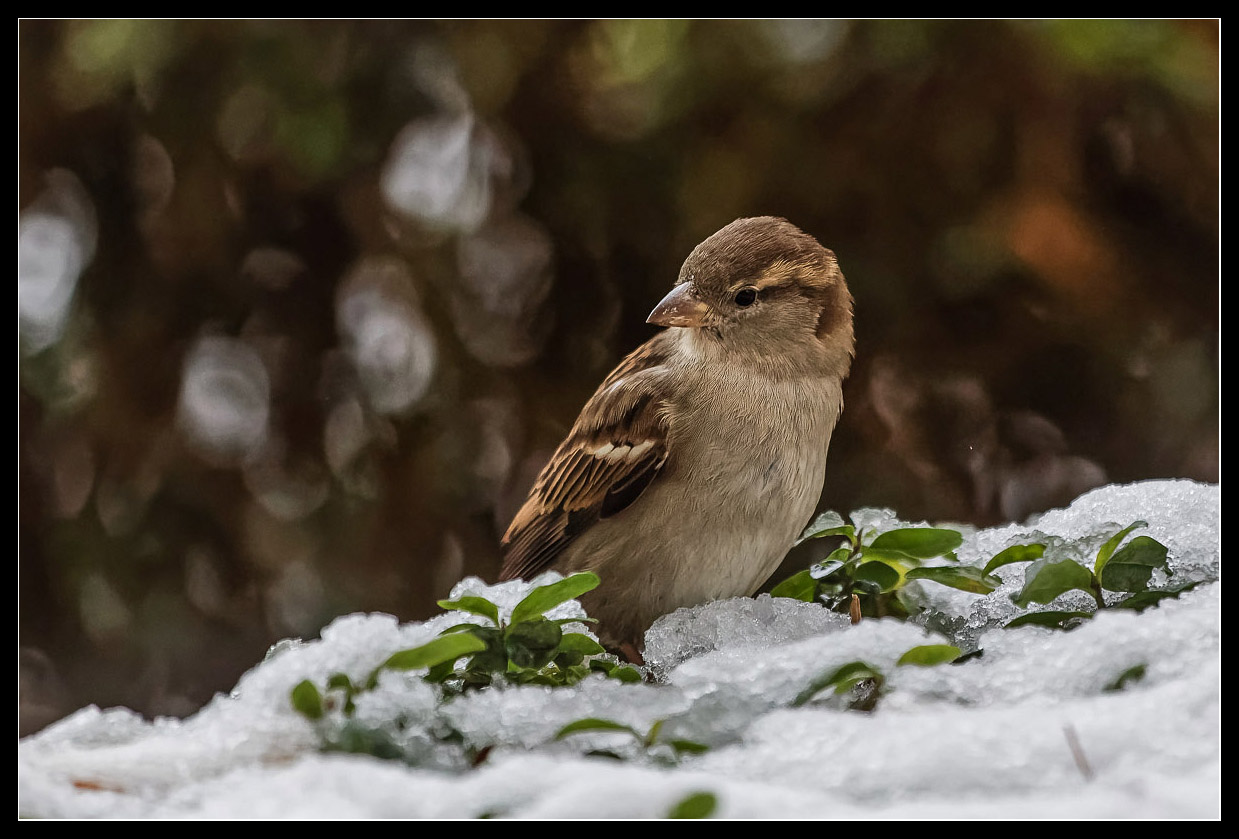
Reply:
x=746, y=296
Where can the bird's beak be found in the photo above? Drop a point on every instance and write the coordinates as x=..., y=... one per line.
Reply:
x=679, y=308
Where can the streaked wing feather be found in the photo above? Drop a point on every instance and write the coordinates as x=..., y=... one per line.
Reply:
x=581, y=484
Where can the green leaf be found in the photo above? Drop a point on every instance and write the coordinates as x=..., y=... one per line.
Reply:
x=919, y=542
x=1047, y=578
x=828, y=566
x=460, y=627
x=962, y=577
x=1131, y=567
x=1131, y=674
x=566, y=621
x=536, y=677
x=799, y=586
x=892, y=558
x=928, y=655
x=357, y=738
x=441, y=672
x=1054, y=620
x=830, y=590
x=532, y=643
x=340, y=680
x=607, y=753
x=878, y=573
x=1103, y=555
x=1015, y=553
x=625, y=674
x=863, y=588
x=1144, y=599
x=307, y=700
x=477, y=679
x=595, y=724
x=567, y=658
x=493, y=659
x=842, y=679
x=690, y=746
x=578, y=643
x=443, y=648
x=474, y=605
x=544, y=598
x=699, y=805
x=614, y=669
x=828, y=523
x=575, y=673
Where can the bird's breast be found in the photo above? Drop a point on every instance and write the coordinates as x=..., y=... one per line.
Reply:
x=749, y=484
x=753, y=439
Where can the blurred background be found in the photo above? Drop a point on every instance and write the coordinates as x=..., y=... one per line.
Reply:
x=304, y=306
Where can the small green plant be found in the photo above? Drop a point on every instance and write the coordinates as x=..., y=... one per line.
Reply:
x=862, y=679
x=866, y=682
x=1127, y=569
x=1129, y=676
x=650, y=742
x=876, y=566
x=313, y=704
x=528, y=648
x=697, y=805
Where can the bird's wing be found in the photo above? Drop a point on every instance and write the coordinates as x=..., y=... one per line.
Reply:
x=614, y=451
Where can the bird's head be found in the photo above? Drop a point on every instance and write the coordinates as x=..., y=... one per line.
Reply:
x=763, y=289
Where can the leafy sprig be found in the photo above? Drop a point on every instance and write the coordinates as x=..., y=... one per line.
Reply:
x=528, y=648
x=865, y=682
x=1117, y=567
x=664, y=750
x=876, y=566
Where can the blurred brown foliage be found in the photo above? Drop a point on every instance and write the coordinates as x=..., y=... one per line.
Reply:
x=303, y=306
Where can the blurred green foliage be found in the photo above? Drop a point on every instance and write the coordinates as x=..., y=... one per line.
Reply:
x=304, y=305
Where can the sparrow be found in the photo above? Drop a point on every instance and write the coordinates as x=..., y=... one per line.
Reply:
x=700, y=458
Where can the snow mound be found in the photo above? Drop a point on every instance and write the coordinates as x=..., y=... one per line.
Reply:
x=1033, y=727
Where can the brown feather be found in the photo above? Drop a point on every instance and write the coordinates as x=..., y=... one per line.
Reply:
x=578, y=487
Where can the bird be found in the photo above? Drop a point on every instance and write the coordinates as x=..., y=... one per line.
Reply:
x=698, y=461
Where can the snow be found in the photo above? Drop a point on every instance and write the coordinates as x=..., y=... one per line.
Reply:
x=1028, y=729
